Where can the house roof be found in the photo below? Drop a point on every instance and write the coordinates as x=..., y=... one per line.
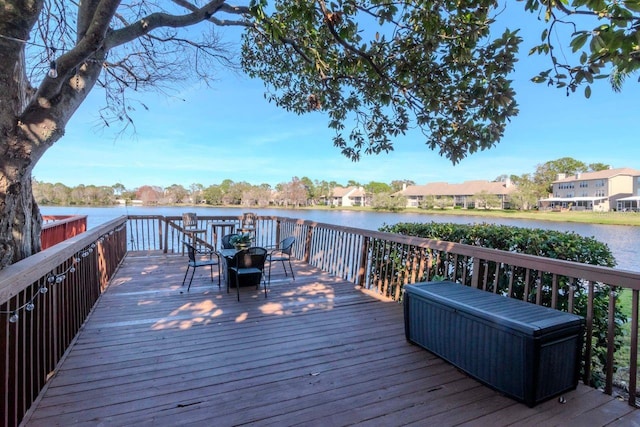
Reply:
x=351, y=191
x=464, y=189
x=603, y=174
x=341, y=191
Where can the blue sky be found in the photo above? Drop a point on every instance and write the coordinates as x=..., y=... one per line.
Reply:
x=205, y=135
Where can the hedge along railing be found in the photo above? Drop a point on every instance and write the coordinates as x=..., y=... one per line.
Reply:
x=44, y=301
x=386, y=262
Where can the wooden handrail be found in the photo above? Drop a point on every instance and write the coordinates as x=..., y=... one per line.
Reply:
x=44, y=300
x=58, y=228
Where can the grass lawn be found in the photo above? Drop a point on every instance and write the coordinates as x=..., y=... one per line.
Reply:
x=611, y=218
x=622, y=355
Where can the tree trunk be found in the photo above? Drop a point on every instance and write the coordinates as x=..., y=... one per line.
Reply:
x=20, y=219
x=31, y=121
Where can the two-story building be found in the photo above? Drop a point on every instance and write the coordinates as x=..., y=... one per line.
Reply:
x=630, y=203
x=348, y=196
x=463, y=195
x=601, y=191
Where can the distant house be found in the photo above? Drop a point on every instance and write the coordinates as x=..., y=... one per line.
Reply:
x=348, y=196
x=601, y=191
x=463, y=195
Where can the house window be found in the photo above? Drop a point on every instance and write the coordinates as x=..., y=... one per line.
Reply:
x=600, y=193
x=600, y=183
x=584, y=184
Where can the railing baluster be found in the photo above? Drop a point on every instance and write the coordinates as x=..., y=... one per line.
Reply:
x=572, y=291
x=611, y=334
x=633, y=354
x=475, y=277
x=465, y=269
x=554, y=291
x=512, y=274
x=527, y=285
x=496, y=277
x=588, y=334
x=364, y=260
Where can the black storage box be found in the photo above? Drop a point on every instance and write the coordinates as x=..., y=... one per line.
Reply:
x=528, y=352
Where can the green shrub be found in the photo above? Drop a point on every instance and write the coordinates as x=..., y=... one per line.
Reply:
x=545, y=243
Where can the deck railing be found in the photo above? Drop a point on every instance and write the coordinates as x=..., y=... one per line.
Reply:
x=75, y=273
x=58, y=228
x=385, y=262
x=44, y=301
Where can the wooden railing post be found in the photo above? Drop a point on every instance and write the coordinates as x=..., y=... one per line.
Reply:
x=166, y=234
x=307, y=244
x=364, y=260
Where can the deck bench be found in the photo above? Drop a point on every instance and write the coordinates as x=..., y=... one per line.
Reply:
x=528, y=352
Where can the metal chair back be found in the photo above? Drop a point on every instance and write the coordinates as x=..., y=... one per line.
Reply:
x=189, y=220
x=225, y=242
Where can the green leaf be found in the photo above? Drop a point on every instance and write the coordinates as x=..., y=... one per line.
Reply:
x=587, y=92
x=632, y=5
x=579, y=41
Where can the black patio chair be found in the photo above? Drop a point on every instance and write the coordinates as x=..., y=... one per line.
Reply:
x=282, y=253
x=225, y=241
x=248, y=223
x=248, y=263
x=191, y=229
x=194, y=262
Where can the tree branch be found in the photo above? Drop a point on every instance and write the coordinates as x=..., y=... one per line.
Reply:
x=158, y=20
x=346, y=45
x=92, y=41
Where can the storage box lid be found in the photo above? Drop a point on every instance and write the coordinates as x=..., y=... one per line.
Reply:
x=519, y=315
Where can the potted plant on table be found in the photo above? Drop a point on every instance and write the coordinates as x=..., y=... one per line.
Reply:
x=241, y=241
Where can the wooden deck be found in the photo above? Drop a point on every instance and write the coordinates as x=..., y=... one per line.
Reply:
x=316, y=352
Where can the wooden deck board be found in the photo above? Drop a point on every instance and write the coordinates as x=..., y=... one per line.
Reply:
x=317, y=351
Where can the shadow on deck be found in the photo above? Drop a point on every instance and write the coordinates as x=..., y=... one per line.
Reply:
x=318, y=351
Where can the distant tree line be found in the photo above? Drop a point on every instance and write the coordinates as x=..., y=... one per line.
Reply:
x=295, y=193
x=303, y=191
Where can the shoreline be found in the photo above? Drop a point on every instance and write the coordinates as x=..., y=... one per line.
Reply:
x=631, y=219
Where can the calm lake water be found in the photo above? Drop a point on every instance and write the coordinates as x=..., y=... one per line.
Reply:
x=624, y=241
